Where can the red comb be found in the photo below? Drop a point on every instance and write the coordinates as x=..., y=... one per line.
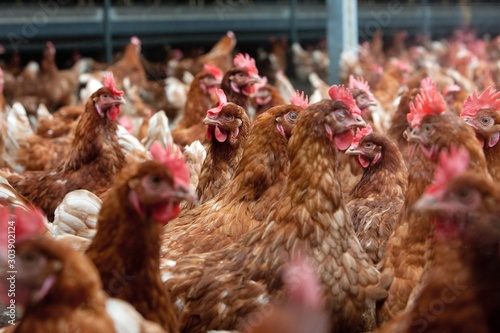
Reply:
x=489, y=99
x=360, y=84
x=450, y=165
x=109, y=82
x=341, y=93
x=428, y=84
x=246, y=62
x=222, y=99
x=21, y=222
x=299, y=99
x=174, y=160
x=360, y=134
x=427, y=102
x=213, y=70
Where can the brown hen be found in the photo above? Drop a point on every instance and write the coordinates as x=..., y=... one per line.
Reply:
x=460, y=295
x=375, y=202
x=238, y=83
x=482, y=113
x=199, y=99
x=143, y=198
x=93, y=160
x=228, y=127
x=410, y=250
x=58, y=289
x=213, y=290
x=247, y=198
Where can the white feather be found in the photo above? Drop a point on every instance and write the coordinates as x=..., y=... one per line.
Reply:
x=75, y=219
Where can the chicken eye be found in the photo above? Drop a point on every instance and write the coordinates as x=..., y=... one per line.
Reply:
x=427, y=129
x=228, y=116
x=485, y=120
x=29, y=257
x=463, y=194
x=105, y=96
x=292, y=115
x=341, y=114
x=368, y=145
x=155, y=180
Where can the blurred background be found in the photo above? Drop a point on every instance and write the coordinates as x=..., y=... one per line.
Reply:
x=97, y=28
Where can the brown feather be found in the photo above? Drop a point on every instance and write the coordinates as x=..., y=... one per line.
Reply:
x=411, y=243
x=93, y=160
x=129, y=266
x=376, y=200
x=310, y=218
x=247, y=198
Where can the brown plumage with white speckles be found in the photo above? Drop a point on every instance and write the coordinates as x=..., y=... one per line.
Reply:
x=93, y=160
x=376, y=200
x=410, y=246
x=218, y=289
x=246, y=200
x=129, y=266
x=224, y=150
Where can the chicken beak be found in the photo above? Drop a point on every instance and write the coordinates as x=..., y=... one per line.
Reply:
x=470, y=123
x=412, y=135
x=426, y=203
x=253, y=79
x=187, y=194
x=352, y=150
x=211, y=120
x=357, y=121
x=120, y=100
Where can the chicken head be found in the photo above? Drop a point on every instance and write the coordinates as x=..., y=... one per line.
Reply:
x=107, y=100
x=154, y=191
x=346, y=116
x=225, y=120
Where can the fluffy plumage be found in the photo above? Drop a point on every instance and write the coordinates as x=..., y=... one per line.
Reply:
x=410, y=246
x=228, y=129
x=199, y=99
x=375, y=202
x=482, y=113
x=248, y=196
x=233, y=281
x=93, y=160
x=144, y=197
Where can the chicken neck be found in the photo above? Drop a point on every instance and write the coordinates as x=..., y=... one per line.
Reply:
x=95, y=140
x=492, y=155
x=311, y=218
x=126, y=251
x=262, y=171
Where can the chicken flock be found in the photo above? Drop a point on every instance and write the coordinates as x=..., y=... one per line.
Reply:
x=220, y=199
